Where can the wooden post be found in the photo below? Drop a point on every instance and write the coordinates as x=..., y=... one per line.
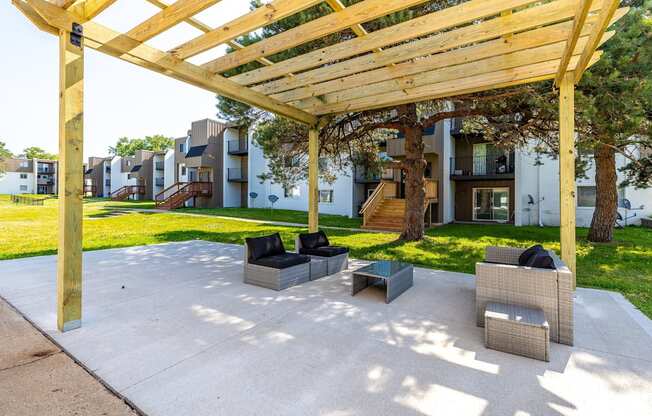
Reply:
x=313, y=179
x=567, y=169
x=71, y=105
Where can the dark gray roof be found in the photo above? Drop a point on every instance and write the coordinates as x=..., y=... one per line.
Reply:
x=135, y=168
x=196, y=151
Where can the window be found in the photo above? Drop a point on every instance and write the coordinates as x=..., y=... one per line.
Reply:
x=23, y=176
x=586, y=196
x=183, y=171
x=23, y=187
x=291, y=192
x=107, y=182
x=326, y=196
x=491, y=204
x=182, y=147
x=322, y=163
x=24, y=164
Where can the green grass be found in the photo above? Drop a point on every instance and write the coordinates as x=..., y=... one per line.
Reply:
x=624, y=265
x=280, y=215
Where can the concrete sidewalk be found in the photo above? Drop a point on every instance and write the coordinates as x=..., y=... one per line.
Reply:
x=37, y=378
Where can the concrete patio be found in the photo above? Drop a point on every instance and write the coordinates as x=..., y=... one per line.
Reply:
x=173, y=329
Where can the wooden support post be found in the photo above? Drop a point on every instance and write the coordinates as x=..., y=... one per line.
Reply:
x=71, y=104
x=567, y=169
x=313, y=179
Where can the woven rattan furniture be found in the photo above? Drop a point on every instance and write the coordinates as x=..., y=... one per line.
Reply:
x=334, y=263
x=517, y=330
x=500, y=279
x=318, y=267
x=397, y=277
x=278, y=276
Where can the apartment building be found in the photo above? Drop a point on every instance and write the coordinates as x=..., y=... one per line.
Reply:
x=29, y=176
x=97, y=177
x=141, y=176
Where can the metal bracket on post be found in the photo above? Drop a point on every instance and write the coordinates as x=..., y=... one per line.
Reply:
x=76, y=35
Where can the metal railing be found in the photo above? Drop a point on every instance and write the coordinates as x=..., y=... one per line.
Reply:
x=27, y=200
x=490, y=165
x=237, y=146
x=236, y=174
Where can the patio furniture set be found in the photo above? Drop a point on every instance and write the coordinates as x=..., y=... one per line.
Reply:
x=524, y=297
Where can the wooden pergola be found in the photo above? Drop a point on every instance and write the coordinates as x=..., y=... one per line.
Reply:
x=475, y=46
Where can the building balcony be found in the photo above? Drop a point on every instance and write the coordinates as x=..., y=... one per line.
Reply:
x=362, y=176
x=396, y=147
x=237, y=147
x=499, y=166
x=237, y=175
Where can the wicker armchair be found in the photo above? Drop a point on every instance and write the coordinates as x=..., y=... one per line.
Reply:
x=500, y=279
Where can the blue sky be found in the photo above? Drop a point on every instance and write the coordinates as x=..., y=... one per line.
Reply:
x=120, y=99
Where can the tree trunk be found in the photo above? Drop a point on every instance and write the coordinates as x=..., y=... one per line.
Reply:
x=606, y=204
x=414, y=166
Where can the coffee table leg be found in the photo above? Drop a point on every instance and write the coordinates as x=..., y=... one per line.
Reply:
x=359, y=283
x=399, y=283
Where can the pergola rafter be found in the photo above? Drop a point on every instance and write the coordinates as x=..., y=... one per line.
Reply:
x=475, y=46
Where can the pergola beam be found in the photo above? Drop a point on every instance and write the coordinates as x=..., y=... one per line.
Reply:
x=262, y=16
x=487, y=81
x=168, y=17
x=519, y=42
x=205, y=28
x=583, y=8
x=609, y=8
x=449, y=73
x=88, y=9
x=113, y=43
x=335, y=22
x=435, y=22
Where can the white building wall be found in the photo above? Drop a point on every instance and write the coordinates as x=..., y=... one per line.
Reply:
x=169, y=176
x=232, y=190
x=542, y=182
x=448, y=186
x=158, y=176
x=342, y=189
x=107, y=188
x=11, y=182
x=119, y=179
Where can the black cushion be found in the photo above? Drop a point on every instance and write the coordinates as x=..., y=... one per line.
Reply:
x=260, y=247
x=541, y=260
x=281, y=261
x=329, y=251
x=527, y=254
x=314, y=240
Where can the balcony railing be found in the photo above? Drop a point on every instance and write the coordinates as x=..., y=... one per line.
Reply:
x=478, y=166
x=237, y=175
x=237, y=147
x=159, y=165
x=362, y=176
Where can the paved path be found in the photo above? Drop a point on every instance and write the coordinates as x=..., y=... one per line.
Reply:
x=37, y=378
x=279, y=223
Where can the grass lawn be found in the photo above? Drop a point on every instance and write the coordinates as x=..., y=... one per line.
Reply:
x=624, y=266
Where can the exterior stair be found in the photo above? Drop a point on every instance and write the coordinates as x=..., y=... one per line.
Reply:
x=388, y=215
x=126, y=191
x=176, y=195
x=384, y=211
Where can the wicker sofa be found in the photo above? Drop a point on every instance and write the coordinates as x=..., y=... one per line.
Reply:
x=267, y=264
x=500, y=279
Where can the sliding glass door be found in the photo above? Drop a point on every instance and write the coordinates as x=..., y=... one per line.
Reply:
x=491, y=204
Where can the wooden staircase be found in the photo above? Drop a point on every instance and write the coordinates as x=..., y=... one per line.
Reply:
x=176, y=195
x=385, y=212
x=388, y=216
x=126, y=191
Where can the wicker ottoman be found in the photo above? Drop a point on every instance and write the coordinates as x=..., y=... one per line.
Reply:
x=517, y=330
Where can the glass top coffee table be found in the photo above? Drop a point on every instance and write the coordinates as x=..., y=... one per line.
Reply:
x=397, y=277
